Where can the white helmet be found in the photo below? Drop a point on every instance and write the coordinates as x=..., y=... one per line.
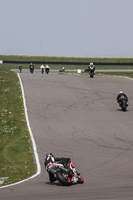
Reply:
x=121, y=92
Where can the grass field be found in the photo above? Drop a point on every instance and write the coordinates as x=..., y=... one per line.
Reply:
x=64, y=59
x=125, y=74
x=17, y=161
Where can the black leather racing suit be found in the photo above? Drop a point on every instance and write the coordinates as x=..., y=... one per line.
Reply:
x=119, y=97
x=61, y=160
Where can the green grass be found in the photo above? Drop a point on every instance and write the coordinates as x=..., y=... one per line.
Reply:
x=63, y=59
x=125, y=74
x=15, y=149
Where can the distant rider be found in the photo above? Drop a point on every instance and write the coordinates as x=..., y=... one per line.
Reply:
x=20, y=68
x=47, y=67
x=31, y=67
x=42, y=67
x=90, y=66
x=121, y=93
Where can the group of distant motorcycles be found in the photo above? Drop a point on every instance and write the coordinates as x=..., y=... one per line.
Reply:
x=122, y=99
x=42, y=68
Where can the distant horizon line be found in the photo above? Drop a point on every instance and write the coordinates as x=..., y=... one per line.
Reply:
x=67, y=56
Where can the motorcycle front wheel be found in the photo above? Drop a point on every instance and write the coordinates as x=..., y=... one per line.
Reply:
x=91, y=75
x=124, y=106
x=62, y=179
x=80, y=180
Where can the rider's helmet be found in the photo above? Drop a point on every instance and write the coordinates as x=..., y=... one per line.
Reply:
x=50, y=156
x=47, y=66
x=91, y=64
x=121, y=92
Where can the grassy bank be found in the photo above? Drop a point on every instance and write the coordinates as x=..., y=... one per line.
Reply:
x=64, y=59
x=32, y=59
x=15, y=149
x=125, y=74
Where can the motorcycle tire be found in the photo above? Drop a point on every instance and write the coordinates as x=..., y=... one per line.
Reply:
x=51, y=177
x=91, y=75
x=124, y=106
x=62, y=180
x=47, y=71
x=80, y=180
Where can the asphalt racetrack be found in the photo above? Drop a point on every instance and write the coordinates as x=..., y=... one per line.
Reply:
x=78, y=117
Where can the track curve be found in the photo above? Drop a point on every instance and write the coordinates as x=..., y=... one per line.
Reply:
x=78, y=117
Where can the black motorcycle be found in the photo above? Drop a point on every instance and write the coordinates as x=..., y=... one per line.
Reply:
x=20, y=69
x=47, y=70
x=42, y=70
x=91, y=71
x=31, y=70
x=63, y=174
x=123, y=103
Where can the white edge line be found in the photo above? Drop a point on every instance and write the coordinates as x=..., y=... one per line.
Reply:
x=32, y=139
x=120, y=77
x=125, y=77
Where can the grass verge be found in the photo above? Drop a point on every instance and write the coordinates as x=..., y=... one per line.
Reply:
x=125, y=74
x=63, y=59
x=16, y=156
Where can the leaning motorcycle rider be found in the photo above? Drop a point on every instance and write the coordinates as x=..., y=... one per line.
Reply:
x=121, y=93
x=50, y=158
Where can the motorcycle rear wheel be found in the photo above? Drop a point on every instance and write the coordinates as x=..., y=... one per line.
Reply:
x=62, y=180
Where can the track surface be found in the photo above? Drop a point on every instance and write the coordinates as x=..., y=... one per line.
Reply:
x=78, y=117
